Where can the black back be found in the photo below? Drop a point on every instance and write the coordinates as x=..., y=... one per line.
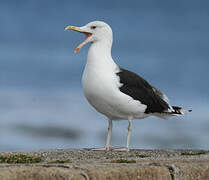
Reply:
x=140, y=89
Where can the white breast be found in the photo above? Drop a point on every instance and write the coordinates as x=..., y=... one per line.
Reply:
x=101, y=88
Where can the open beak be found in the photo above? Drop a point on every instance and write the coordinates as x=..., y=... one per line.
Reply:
x=74, y=28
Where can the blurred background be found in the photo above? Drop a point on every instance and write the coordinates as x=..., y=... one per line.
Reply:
x=41, y=100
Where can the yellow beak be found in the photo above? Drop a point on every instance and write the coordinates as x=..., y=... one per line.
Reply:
x=74, y=28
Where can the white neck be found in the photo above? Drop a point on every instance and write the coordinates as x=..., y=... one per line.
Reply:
x=99, y=55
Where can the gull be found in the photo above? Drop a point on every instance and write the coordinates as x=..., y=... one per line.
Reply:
x=115, y=92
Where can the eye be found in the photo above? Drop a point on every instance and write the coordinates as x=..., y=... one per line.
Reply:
x=93, y=27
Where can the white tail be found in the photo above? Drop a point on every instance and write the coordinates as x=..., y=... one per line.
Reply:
x=179, y=110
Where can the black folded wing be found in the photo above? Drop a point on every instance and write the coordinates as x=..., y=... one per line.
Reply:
x=139, y=89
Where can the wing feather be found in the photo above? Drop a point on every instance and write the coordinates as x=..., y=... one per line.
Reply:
x=139, y=89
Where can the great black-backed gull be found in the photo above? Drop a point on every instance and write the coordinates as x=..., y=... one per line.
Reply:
x=117, y=93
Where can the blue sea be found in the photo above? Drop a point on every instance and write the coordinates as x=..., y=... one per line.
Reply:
x=41, y=100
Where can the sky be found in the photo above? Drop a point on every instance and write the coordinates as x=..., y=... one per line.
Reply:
x=166, y=42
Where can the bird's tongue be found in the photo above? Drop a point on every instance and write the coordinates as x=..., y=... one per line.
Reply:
x=87, y=35
x=83, y=43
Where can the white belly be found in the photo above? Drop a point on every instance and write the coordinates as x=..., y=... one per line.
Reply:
x=101, y=90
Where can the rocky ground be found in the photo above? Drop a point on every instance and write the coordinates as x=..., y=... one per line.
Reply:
x=85, y=164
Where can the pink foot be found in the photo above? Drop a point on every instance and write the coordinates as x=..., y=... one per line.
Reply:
x=123, y=149
x=101, y=149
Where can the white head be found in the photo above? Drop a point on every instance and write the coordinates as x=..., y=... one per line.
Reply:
x=96, y=31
